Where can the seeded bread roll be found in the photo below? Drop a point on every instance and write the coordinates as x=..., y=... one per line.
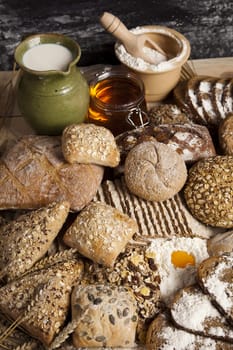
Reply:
x=209, y=191
x=100, y=232
x=89, y=143
x=225, y=135
x=154, y=172
x=106, y=316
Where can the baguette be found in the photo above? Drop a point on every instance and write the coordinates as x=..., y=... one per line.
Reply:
x=34, y=173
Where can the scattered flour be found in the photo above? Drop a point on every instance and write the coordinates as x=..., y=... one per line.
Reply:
x=173, y=278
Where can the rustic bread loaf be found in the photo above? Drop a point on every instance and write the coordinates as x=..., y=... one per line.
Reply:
x=218, y=96
x=26, y=239
x=100, y=232
x=206, y=98
x=89, y=143
x=193, y=311
x=225, y=135
x=106, y=316
x=215, y=276
x=192, y=141
x=209, y=191
x=154, y=172
x=34, y=173
x=227, y=97
x=162, y=334
x=41, y=300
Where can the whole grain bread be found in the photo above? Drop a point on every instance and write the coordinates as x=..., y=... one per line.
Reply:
x=34, y=173
x=25, y=240
x=41, y=300
x=89, y=143
x=103, y=312
x=225, y=135
x=100, y=232
x=193, y=311
x=215, y=276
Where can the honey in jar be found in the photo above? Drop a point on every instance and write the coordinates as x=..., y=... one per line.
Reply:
x=117, y=100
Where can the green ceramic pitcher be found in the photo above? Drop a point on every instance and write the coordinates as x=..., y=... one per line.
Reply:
x=51, y=98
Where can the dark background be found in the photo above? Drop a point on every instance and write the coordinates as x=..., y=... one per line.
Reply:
x=208, y=24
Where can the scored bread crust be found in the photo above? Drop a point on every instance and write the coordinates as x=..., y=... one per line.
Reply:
x=34, y=173
x=154, y=172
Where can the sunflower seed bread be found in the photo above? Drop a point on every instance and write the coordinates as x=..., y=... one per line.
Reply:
x=106, y=316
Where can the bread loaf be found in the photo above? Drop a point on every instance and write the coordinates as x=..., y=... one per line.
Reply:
x=192, y=141
x=162, y=334
x=154, y=172
x=100, y=232
x=167, y=113
x=26, y=239
x=34, y=173
x=43, y=298
x=209, y=191
x=106, y=316
x=89, y=143
x=215, y=276
x=193, y=311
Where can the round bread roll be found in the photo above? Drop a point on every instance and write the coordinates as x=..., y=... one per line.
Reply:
x=225, y=134
x=106, y=316
x=209, y=191
x=154, y=172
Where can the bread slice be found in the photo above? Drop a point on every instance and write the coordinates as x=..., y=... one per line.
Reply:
x=179, y=94
x=163, y=335
x=40, y=301
x=215, y=276
x=192, y=98
x=193, y=311
x=26, y=239
x=218, y=88
x=227, y=97
x=205, y=96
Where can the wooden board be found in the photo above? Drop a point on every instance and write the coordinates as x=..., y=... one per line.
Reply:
x=219, y=67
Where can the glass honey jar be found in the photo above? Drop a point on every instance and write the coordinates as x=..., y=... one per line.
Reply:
x=117, y=100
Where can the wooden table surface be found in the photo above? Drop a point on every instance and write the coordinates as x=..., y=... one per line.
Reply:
x=219, y=67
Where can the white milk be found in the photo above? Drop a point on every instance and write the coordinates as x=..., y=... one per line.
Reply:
x=46, y=57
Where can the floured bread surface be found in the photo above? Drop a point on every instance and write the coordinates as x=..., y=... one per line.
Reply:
x=154, y=172
x=216, y=277
x=103, y=313
x=177, y=260
x=193, y=311
x=163, y=335
x=100, y=232
x=155, y=219
x=89, y=143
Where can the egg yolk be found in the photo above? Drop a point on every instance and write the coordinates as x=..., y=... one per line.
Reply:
x=180, y=258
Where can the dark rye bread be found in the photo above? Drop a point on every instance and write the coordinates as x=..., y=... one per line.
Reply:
x=155, y=219
x=206, y=100
x=217, y=89
x=193, y=311
x=163, y=335
x=227, y=97
x=192, y=98
x=215, y=276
